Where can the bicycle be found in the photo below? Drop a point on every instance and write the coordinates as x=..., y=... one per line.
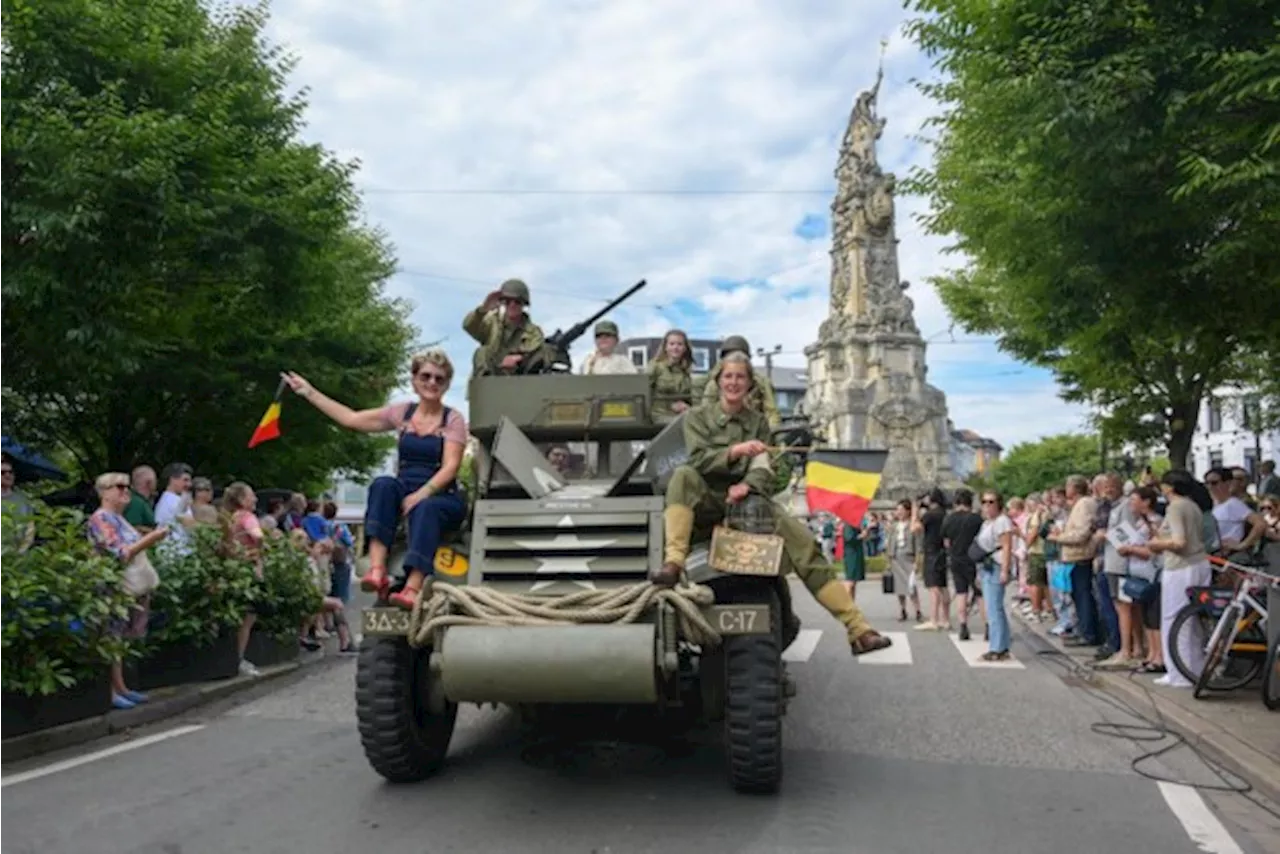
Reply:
x=1240, y=632
x=1271, y=679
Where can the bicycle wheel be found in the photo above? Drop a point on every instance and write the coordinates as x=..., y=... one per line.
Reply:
x=1271, y=678
x=1219, y=653
x=1190, y=615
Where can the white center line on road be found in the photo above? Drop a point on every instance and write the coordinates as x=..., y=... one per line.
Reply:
x=1198, y=820
x=899, y=653
x=973, y=650
x=803, y=646
x=77, y=761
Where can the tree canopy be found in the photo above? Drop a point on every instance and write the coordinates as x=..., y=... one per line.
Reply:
x=171, y=244
x=1109, y=170
x=1035, y=466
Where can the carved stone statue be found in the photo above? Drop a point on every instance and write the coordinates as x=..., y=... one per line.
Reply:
x=867, y=385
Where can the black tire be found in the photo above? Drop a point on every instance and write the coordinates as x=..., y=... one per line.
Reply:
x=403, y=739
x=753, y=709
x=1182, y=622
x=1218, y=653
x=1271, y=678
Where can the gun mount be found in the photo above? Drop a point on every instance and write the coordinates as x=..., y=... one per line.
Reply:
x=553, y=358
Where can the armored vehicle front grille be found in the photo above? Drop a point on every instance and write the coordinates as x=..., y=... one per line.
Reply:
x=557, y=553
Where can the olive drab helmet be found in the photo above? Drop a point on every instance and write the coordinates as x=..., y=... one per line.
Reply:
x=752, y=515
x=734, y=344
x=516, y=290
x=606, y=327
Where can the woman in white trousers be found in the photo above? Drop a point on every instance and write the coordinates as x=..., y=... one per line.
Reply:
x=1186, y=564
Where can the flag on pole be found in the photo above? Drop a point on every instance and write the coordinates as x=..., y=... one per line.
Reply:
x=843, y=482
x=269, y=426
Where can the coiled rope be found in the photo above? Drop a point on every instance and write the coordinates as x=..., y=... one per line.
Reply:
x=448, y=605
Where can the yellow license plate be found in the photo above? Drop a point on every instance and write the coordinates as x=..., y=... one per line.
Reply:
x=449, y=562
x=568, y=413
x=618, y=409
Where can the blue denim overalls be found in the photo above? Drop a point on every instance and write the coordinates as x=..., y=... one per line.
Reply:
x=420, y=457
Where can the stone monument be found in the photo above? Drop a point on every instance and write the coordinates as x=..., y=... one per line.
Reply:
x=866, y=377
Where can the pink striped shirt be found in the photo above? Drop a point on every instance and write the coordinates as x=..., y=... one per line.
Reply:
x=453, y=430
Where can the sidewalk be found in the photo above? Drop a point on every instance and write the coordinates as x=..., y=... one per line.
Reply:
x=1234, y=727
x=163, y=703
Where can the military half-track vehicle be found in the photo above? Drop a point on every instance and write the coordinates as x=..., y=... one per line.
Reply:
x=533, y=532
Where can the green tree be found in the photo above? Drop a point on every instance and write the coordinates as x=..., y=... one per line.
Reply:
x=170, y=245
x=1062, y=160
x=1036, y=466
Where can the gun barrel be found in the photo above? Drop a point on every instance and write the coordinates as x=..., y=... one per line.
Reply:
x=615, y=302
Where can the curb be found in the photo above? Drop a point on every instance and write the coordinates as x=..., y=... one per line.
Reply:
x=159, y=708
x=1201, y=731
x=1253, y=766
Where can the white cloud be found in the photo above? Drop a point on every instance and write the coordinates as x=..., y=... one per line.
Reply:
x=589, y=95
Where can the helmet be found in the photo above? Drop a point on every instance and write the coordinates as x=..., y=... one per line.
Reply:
x=607, y=327
x=735, y=343
x=753, y=515
x=516, y=290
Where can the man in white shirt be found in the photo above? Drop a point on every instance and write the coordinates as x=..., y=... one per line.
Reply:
x=604, y=360
x=173, y=510
x=1239, y=525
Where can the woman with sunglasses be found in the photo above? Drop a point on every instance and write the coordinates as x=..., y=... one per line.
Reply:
x=432, y=437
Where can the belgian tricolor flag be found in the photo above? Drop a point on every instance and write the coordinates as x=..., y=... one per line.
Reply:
x=843, y=482
x=269, y=426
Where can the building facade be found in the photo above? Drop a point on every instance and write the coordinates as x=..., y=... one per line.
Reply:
x=972, y=454
x=1225, y=436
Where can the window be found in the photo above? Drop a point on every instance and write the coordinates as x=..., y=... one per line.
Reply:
x=1215, y=459
x=1215, y=416
x=1250, y=463
x=639, y=355
x=701, y=359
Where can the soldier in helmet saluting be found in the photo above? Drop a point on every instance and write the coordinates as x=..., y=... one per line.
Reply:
x=760, y=397
x=502, y=326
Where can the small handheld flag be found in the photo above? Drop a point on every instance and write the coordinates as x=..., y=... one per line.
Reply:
x=269, y=426
x=843, y=482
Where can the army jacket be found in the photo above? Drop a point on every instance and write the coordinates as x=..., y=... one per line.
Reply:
x=708, y=433
x=760, y=397
x=669, y=383
x=498, y=339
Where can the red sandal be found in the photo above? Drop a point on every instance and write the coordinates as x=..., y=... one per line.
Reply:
x=376, y=581
x=405, y=598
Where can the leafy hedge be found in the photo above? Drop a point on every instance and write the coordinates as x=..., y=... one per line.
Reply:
x=286, y=594
x=202, y=593
x=59, y=599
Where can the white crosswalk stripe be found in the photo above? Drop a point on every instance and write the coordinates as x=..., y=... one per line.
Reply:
x=803, y=646
x=899, y=653
x=973, y=650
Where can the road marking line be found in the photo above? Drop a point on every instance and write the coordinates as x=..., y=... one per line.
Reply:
x=1198, y=820
x=803, y=646
x=899, y=653
x=77, y=761
x=973, y=650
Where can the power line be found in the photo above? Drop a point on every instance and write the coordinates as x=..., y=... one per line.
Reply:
x=534, y=191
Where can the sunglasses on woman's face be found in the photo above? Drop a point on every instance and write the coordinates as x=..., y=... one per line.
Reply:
x=429, y=377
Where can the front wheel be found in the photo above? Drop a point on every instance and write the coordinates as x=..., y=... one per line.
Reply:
x=1219, y=650
x=405, y=724
x=753, y=708
x=1197, y=620
x=1271, y=678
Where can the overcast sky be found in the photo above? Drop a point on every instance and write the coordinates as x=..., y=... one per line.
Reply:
x=582, y=145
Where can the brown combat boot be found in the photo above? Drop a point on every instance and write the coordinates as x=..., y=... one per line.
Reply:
x=678, y=524
x=834, y=596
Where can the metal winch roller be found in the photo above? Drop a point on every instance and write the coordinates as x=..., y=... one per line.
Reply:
x=550, y=664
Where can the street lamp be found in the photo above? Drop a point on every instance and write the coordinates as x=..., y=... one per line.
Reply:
x=768, y=355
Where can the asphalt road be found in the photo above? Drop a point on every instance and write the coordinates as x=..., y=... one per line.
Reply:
x=920, y=751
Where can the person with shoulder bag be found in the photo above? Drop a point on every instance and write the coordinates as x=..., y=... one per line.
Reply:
x=1141, y=584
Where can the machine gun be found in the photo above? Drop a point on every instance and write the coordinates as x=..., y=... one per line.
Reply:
x=553, y=357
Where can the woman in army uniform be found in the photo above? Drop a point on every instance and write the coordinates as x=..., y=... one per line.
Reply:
x=760, y=396
x=671, y=375
x=728, y=449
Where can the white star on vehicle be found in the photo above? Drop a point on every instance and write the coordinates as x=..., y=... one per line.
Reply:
x=564, y=564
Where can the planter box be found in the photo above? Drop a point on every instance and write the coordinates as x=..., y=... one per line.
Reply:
x=179, y=664
x=265, y=649
x=86, y=699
